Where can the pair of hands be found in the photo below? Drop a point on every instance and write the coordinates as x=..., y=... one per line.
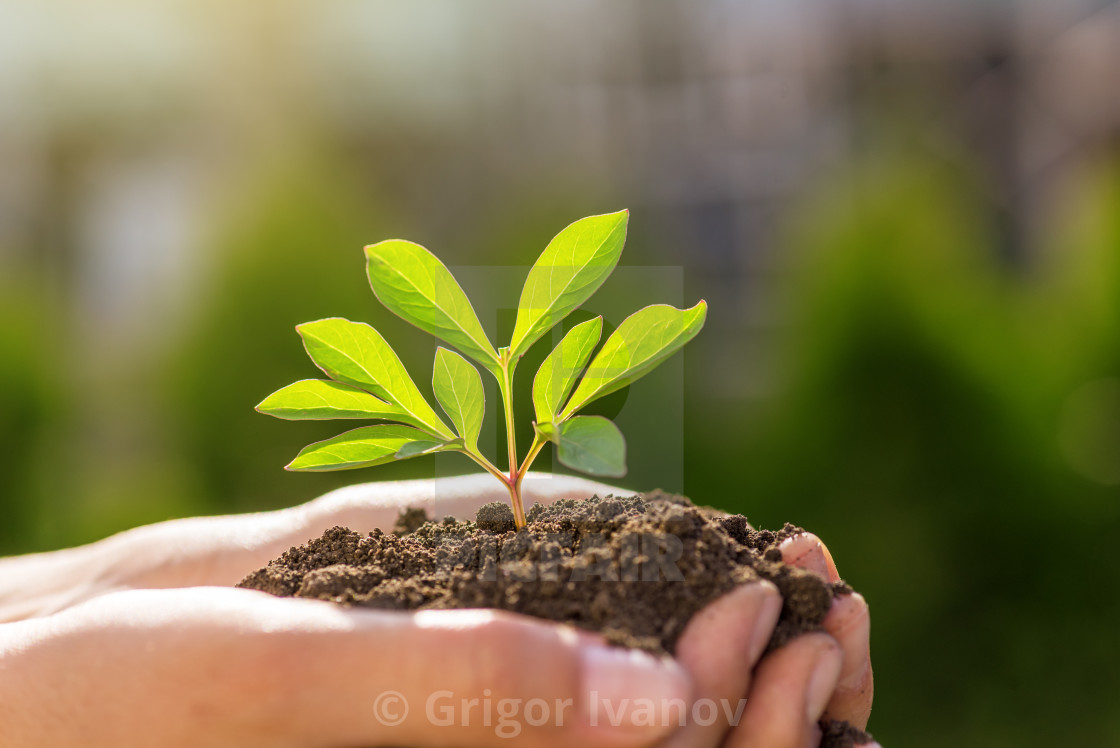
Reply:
x=140, y=640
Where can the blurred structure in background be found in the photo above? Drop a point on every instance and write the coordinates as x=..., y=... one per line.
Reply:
x=905, y=217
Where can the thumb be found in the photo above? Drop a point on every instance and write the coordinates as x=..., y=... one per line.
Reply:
x=318, y=674
x=469, y=677
x=234, y=667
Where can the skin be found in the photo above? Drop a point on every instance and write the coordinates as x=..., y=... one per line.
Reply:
x=140, y=640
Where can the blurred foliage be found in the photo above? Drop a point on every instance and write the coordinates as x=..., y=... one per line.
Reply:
x=31, y=400
x=291, y=255
x=917, y=429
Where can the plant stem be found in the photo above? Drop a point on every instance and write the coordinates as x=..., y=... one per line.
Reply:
x=538, y=445
x=486, y=465
x=513, y=482
x=512, y=485
x=505, y=384
x=515, y=499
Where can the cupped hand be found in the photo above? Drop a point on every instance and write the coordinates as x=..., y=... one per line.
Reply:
x=788, y=691
x=139, y=640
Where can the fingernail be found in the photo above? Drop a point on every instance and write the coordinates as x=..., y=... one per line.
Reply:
x=614, y=679
x=768, y=611
x=823, y=680
x=805, y=551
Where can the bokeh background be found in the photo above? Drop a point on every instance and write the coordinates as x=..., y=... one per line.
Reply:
x=904, y=215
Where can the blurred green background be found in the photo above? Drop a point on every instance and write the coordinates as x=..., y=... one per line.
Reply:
x=905, y=218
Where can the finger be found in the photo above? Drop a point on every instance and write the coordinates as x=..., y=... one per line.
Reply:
x=204, y=551
x=806, y=551
x=719, y=649
x=788, y=695
x=257, y=670
x=849, y=622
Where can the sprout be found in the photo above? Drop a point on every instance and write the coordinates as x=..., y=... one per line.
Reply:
x=367, y=381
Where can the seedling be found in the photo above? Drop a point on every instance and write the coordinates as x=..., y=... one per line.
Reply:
x=368, y=382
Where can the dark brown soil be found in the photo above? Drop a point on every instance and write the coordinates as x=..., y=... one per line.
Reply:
x=635, y=569
x=843, y=735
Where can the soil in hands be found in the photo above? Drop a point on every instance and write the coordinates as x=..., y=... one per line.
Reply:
x=634, y=569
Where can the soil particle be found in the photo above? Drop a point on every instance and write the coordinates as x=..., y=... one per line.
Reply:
x=843, y=735
x=495, y=518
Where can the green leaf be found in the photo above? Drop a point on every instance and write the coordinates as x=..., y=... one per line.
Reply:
x=592, y=445
x=641, y=342
x=571, y=268
x=458, y=388
x=321, y=399
x=413, y=284
x=557, y=375
x=364, y=447
x=415, y=449
x=356, y=354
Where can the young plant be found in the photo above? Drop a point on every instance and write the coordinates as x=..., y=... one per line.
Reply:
x=368, y=382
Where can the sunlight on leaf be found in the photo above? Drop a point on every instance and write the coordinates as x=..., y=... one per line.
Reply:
x=413, y=284
x=641, y=342
x=571, y=268
x=364, y=447
x=415, y=449
x=559, y=372
x=458, y=388
x=356, y=354
x=321, y=399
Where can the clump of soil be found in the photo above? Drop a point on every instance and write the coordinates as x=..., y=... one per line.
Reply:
x=636, y=569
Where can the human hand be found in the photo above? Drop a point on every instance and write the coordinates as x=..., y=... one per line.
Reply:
x=218, y=667
x=821, y=675
x=221, y=551
x=225, y=666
